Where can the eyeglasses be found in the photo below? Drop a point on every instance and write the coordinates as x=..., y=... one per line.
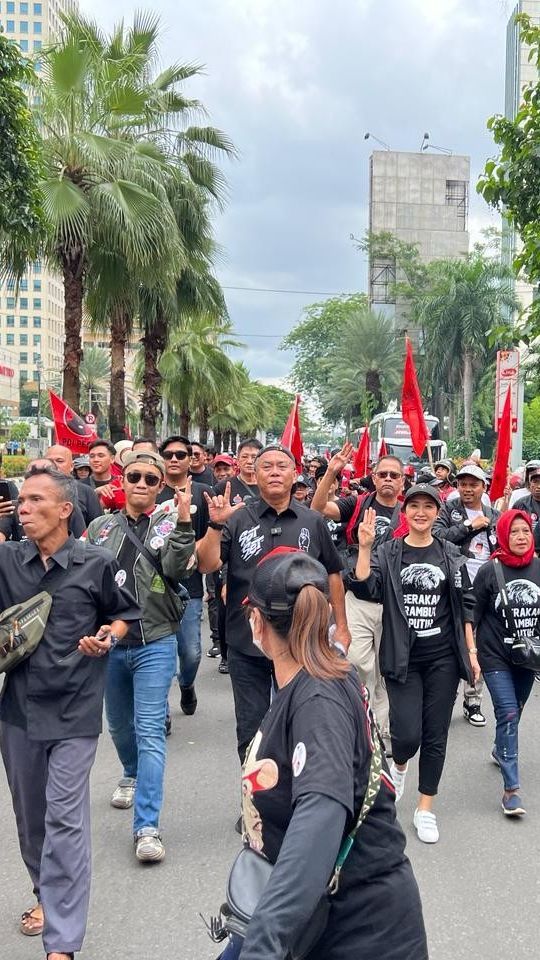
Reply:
x=150, y=479
x=177, y=454
x=388, y=474
x=196, y=456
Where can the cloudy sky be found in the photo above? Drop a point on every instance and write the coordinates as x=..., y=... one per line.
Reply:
x=296, y=84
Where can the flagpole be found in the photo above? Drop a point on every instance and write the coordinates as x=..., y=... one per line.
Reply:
x=430, y=455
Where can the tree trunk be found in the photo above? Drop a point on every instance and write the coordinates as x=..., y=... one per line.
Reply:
x=373, y=387
x=185, y=420
x=153, y=341
x=468, y=386
x=218, y=441
x=203, y=427
x=452, y=416
x=73, y=274
x=120, y=323
x=226, y=441
x=234, y=440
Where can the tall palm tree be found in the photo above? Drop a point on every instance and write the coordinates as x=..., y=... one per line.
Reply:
x=102, y=191
x=95, y=374
x=464, y=302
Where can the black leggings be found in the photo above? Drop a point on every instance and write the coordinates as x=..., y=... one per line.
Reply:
x=420, y=714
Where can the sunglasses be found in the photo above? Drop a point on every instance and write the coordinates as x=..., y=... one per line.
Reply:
x=178, y=454
x=388, y=474
x=150, y=479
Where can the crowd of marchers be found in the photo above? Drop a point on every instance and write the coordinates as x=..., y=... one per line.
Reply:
x=347, y=613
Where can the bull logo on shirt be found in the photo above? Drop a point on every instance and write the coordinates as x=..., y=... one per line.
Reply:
x=304, y=540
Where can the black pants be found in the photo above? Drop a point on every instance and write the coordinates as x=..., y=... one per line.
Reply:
x=251, y=679
x=420, y=714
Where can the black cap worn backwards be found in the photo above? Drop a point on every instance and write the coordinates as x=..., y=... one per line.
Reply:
x=279, y=577
x=279, y=448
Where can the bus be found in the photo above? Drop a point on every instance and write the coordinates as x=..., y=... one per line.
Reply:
x=396, y=434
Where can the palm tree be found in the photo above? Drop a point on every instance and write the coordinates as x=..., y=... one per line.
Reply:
x=366, y=366
x=102, y=191
x=465, y=301
x=95, y=374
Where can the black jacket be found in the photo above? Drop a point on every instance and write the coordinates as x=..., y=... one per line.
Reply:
x=450, y=525
x=384, y=586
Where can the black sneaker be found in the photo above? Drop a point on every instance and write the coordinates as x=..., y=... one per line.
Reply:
x=223, y=667
x=472, y=713
x=188, y=700
x=239, y=826
x=214, y=651
x=168, y=726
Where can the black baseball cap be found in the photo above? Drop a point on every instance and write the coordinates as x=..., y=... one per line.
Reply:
x=279, y=448
x=422, y=490
x=279, y=577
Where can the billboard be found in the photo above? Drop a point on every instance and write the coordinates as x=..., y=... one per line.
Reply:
x=507, y=379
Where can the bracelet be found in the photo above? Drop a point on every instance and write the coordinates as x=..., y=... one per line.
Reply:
x=472, y=649
x=215, y=526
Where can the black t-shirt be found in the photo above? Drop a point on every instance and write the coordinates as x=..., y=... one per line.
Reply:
x=425, y=595
x=126, y=574
x=240, y=490
x=199, y=522
x=523, y=589
x=314, y=739
x=205, y=476
x=384, y=514
x=250, y=534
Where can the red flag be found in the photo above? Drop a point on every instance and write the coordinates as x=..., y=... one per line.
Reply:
x=291, y=437
x=383, y=450
x=502, y=453
x=412, y=409
x=361, y=457
x=71, y=430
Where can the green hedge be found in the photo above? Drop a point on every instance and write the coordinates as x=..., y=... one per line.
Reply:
x=14, y=466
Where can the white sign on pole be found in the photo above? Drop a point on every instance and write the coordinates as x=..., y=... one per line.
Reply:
x=507, y=378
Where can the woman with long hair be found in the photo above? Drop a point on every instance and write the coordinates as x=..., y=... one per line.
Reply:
x=427, y=640
x=509, y=685
x=305, y=782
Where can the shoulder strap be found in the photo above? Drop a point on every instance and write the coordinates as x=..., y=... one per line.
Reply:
x=508, y=613
x=154, y=562
x=360, y=501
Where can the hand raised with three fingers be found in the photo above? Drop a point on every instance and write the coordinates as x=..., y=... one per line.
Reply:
x=366, y=529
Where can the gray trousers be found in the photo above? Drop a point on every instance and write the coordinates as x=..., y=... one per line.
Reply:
x=49, y=784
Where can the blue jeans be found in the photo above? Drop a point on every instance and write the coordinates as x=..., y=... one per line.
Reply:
x=233, y=948
x=188, y=638
x=138, y=681
x=509, y=691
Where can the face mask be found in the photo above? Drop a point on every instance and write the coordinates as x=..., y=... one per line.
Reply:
x=256, y=640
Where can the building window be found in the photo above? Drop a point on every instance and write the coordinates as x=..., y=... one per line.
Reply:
x=23, y=358
x=37, y=321
x=37, y=9
x=10, y=285
x=37, y=303
x=24, y=284
x=23, y=26
x=37, y=339
x=10, y=26
x=37, y=45
x=457, y=195
x=10, y=6
x=10, y=303
x=10, y=339
x=23, y=376
x=23, y=339
x=37, y=285
x=37, y=26
x=24, y=46
x=24, y=8
x=10, y=320
x=23, y=321
x=36, y=375
x=382, y=279
x=37, y=266
x=23, y=303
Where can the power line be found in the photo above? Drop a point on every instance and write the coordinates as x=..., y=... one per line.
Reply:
x=303, y=293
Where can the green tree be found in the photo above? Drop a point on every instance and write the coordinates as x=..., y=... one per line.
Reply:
x=19, y=431
x=22, y=222
x=531, y=429
x=316, y=338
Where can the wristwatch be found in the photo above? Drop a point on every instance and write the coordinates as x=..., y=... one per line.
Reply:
x=215, y=526
x=467, y=523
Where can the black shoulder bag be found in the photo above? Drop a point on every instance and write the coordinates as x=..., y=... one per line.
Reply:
x=251, y=872
x=524, y=651
x=178, y=589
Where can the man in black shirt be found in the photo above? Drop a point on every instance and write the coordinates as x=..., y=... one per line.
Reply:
x=89, y=504
x=274, y=520
x=52, y=703
x=199, y=471
x=176, y=454
x=244, y=486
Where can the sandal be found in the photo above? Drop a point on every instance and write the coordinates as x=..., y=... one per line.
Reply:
x=34, y=929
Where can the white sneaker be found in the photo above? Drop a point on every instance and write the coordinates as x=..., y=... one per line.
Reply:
x=398, y=777
x=124, y=795
x=426, y=826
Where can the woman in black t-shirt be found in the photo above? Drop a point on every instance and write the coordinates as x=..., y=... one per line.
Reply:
x=427, y=640
x=304, y=781
x=509, y=686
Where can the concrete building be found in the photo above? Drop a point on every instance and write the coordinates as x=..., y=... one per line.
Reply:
x=32, y=318
x=420, y=198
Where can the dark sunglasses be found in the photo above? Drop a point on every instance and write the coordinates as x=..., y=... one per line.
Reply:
x=150, y=479
x=385, y=474
x=179, y=454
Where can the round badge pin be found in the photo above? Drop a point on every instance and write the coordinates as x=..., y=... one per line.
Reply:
x=120, y=578
x=156, y=542
x=299, y=758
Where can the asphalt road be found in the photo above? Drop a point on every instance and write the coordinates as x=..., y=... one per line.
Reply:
x=480, y=884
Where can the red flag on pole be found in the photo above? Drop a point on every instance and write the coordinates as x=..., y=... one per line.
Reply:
x=383, y=450
x=502, y=454
x=291, y=437
x=71, y=430
x=361, y=457
x=412, y=409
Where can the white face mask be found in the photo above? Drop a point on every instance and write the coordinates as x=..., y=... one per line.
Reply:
x=256, y=640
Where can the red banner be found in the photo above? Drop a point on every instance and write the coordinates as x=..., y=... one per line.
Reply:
x=412, y=409
x=502, y=454
x=383, y=450
x=71, y=430
x=291, y=437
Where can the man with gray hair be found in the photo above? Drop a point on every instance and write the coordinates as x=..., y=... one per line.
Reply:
x=51, y=704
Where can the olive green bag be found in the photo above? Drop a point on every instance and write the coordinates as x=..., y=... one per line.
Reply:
x=21, y=629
